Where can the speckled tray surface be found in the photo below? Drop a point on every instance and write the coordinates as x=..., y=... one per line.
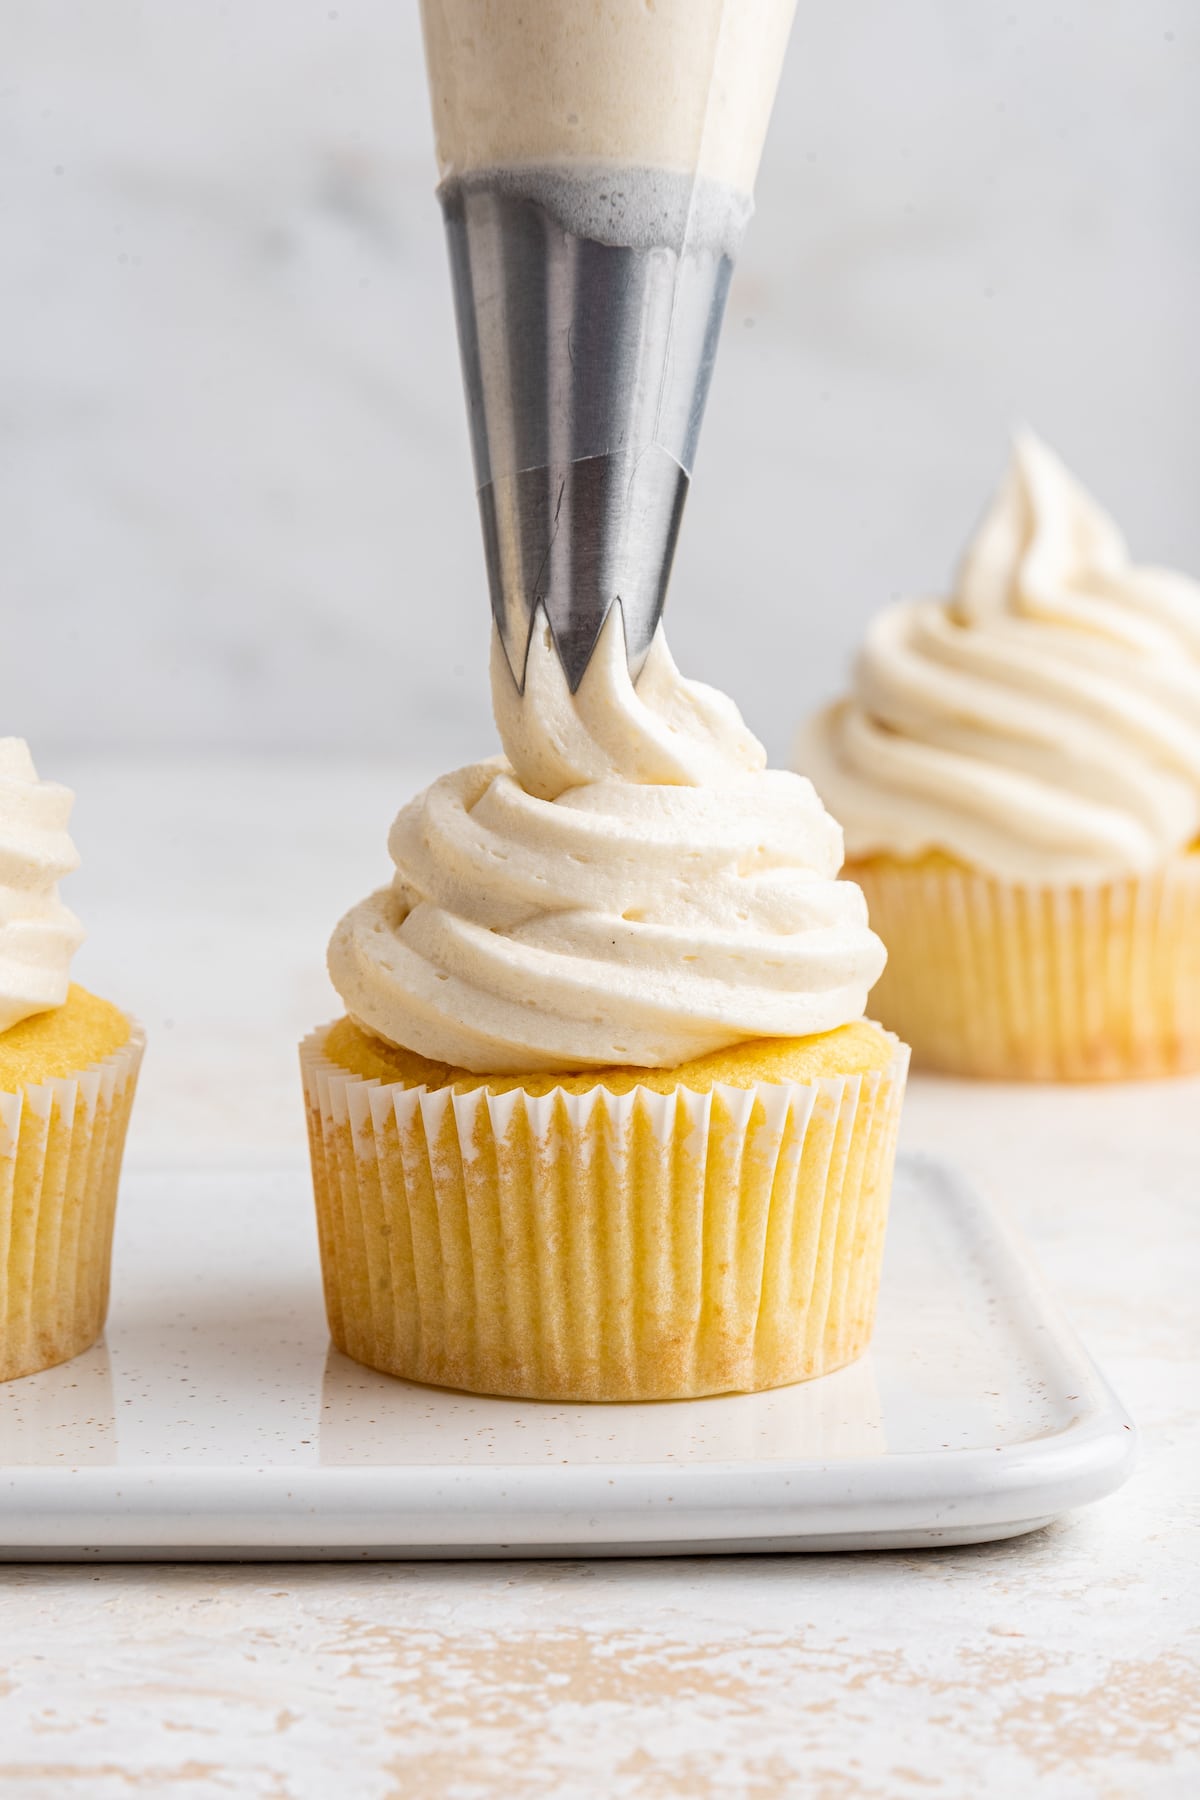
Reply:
x=215, y=1420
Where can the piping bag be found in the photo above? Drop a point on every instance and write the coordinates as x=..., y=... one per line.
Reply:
x=597, y=162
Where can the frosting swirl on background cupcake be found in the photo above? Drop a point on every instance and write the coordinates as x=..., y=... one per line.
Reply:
x=1043, y=724
x=38, y=935
x=631, y=886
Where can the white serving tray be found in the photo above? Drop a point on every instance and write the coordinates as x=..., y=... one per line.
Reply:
x=215, y=1421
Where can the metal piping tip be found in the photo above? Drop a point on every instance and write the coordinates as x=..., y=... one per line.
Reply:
x=586, y=362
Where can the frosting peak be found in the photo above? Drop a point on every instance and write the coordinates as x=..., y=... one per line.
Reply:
x=38, y=935
x=631, y=886
x=1046, y=551
x=1043, y=723
x=665, y=731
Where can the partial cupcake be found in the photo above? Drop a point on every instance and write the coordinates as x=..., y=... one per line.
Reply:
x=68, y=1070
x=1017, y=771
x=604, y=1120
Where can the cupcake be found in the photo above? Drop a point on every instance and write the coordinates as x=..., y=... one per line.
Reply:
x=603, y=1120
x=1017, y=771
x=68, y=1069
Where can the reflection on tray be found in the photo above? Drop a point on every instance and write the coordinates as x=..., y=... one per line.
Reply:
x=63, y=1417
x=368, y=1418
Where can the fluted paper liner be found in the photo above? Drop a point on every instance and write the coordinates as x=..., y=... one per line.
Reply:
x=60, y=1162
x=1017, y=982
x=600, y=1246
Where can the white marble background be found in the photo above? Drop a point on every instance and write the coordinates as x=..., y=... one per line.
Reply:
x=235, y=501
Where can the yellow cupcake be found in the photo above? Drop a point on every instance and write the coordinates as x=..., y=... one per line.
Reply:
x=624, y=1234
x=68, y=1069
x=67, y=1081
x=1017, y=771
x=633, y=895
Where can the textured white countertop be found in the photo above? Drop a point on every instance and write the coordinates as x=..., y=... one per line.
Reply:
x=1064, y=1662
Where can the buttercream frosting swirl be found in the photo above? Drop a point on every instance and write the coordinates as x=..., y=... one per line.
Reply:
x=666, y=731
x=38, y=935
x=629, y=886
x=1043, y=723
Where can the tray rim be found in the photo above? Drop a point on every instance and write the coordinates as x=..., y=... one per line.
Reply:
x=900, y=1499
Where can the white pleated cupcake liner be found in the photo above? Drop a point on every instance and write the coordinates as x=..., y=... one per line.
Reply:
x=61, y=1144
x=602, y=1246
x=1020, y=982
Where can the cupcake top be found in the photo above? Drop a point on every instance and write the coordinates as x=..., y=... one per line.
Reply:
x=1043, y=723
x=38, y=935
x=628, y=885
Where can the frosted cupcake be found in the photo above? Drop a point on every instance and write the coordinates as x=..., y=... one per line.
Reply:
x=1017, y=772
x=604, y=1120
x=68, y=1069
